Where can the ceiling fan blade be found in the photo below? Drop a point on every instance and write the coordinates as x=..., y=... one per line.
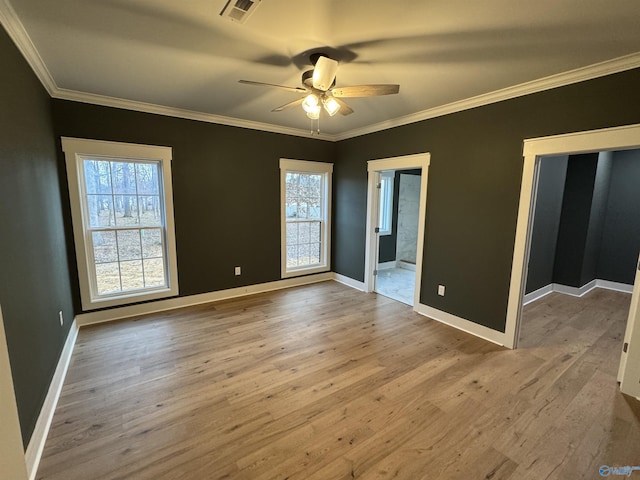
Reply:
x=324, y=73
x=365, y=90
x=272, y=85
x=344, y=108
x=295, y=103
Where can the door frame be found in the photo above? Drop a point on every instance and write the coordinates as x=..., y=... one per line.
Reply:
x=374, y=167
x=616, y=138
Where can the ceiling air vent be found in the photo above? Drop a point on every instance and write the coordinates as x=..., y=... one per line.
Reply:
x=239, y=10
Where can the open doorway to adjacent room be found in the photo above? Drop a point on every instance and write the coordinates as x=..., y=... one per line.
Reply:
x=396, y=207
x=399, y=192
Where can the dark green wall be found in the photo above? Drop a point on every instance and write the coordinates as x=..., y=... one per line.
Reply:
x=474, y=186
x=575, y=220
x=226, y=188
x=34, y=284
x=621, y=234
x=546, y=222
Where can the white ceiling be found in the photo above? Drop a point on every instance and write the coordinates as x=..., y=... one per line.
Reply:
x=183, y=55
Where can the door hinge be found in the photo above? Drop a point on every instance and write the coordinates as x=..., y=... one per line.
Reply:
x=375, y=272
x=379, y=186
x=625, y=347
x=377, y=229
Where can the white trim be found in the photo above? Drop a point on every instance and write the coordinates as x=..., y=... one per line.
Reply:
x=41, y=430
x=136, y=106
x=537, y=294
x=19, y=35
x=75, y=149
x=304, y=166
x=461, y=324
x=608, y=67
x=387, y=265
x=349, y=282
x=615, y=286
x=103, y=316
x=406, y=265
x=574, y=291
x=617, y=138
x=14, y=27
x=374, y=167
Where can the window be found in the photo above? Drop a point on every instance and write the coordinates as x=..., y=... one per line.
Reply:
x=305, y=212
x=386, y=202
x=122, y=212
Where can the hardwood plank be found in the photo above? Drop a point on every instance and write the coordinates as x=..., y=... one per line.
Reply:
x=325, y=382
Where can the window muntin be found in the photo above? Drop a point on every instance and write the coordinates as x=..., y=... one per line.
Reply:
x=123, y=221
x=306, y=188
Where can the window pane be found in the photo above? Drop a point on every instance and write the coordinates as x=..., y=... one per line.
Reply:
x=303, y=236
x=129, y=247
x=123, y=177
x=100, y=209
x=292, y=255
x=105, y=249
x=314, y=253
x=151, y=243
x=150, y=210
x=108, y=278
x=97, y=176
x=154, y=272
x=292, y=233
x=131, y=274
x=126, y=210
x=303, y=254
x=147, y=178
x=314, y=231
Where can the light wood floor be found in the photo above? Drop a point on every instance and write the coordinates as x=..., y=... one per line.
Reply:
x=326, y=383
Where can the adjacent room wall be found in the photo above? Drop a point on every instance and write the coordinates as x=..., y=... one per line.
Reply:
x=474, y=187
x=388, y=243
x=577, y=206
x=35, y=279
x=621, y=232
x=544, y=237
x=408, y=210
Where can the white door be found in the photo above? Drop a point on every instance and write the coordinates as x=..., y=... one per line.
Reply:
x=629, y=373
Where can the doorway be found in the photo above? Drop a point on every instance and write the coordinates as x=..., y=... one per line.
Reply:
x=393, y=262
x=613, y=139
x=399, y=209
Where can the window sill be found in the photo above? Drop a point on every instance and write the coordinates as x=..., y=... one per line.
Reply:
x=128, y=299
x=305, y=271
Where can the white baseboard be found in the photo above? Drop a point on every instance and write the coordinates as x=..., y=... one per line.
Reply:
x=576, y=291
x=481, y=331
x=406, y=265
x=41, y=430
x=386, y=265
x=120, y=313
x=349, y=282
x=616, y=286
x=537, y=294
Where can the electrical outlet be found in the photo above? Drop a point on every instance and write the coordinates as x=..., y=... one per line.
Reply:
x=61, y=318
x=441, y=290
x=238, y=271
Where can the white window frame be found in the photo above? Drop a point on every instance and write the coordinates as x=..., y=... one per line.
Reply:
x=386, y=202
x=304, y=166
x=75, y=150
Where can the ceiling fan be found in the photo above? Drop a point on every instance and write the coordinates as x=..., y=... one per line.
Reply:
x=319, y=90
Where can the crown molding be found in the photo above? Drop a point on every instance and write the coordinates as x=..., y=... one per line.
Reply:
x=14, y=27
x=608, y=67
x=106, y=101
